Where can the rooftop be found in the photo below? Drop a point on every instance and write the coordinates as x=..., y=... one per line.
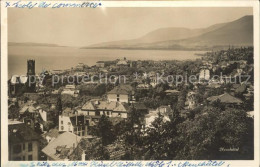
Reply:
x=122, y=89
x=61, y=147
x=28, y=108
x=19, y=132
x=52, y=133
x=18, y=79
x=93, y=105
x=225, y=98
x=12, y=122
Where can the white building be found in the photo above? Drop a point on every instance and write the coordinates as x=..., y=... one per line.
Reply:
x=122, y=93
x=191, y=100
x=70, y=122
x=165, y=111
x=111, y=109
x=70, y=90
x=122, y=63
x=204, y=74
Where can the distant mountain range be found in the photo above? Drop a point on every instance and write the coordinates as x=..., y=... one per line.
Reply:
x=236, y=33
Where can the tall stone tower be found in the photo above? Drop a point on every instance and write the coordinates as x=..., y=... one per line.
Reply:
x=31, y=86
x=30, y=67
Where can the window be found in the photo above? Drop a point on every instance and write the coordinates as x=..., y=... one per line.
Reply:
x=87, y=122
x=29, y=146
x=17, y=148
x=107, y=112
x=61, y=122
x=62, y=128
x=29, y=157
x=117, y=97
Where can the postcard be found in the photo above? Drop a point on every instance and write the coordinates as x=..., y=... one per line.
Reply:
x=130, y=83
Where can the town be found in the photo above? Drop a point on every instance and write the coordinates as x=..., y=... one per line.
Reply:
x=100, y=117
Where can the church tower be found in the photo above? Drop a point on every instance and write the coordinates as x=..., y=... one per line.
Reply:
x=30, y=67
x=31, y=73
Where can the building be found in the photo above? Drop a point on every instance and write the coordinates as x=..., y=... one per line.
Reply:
x=15, y=83
x=226, y=99
x=69, y=121
x=165, y=111
x=31, y=87
x=100, y=64
x=62, y=147
x=70, y=90
x=108, y=108
x=172, y=92
x=139, y=107
x=143, y=86
x=51, y=135
x=28, y=114
x=57, y=72
x=22, y=142
x=21, y=83
x=123, y=62
x=191, y=100
x=80, y=67
x=43, y=110
x=121, y=93
x=204, y=74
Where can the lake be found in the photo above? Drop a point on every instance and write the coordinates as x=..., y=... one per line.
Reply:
x=51, y=58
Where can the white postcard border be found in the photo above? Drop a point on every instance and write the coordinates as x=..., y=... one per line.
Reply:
x=4, y=65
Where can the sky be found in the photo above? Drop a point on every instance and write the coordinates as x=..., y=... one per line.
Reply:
x=86, y=26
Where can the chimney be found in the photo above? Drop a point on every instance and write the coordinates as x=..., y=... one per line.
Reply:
x=83, y=156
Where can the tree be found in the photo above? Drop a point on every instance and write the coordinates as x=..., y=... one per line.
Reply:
x=132, y=134
x=104, y=130
x=212, y=129
x=59, y=105
x=92, y=148
x=37, y=128
x=13, y=111
x=100, y=90
x=155, y=140
x=161, y=141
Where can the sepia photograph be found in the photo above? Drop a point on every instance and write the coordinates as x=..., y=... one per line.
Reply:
x=131, y=83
